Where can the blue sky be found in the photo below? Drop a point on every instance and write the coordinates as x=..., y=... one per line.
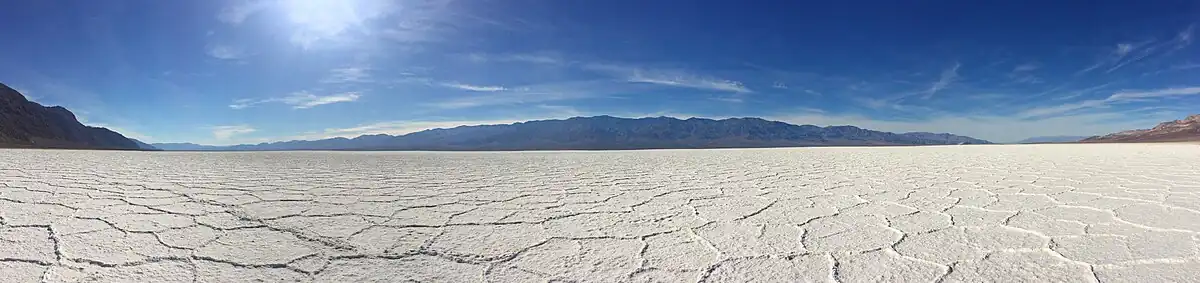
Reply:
x=227, y=72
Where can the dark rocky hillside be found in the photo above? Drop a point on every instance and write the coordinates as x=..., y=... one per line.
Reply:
x=24, y=123
x=1187, y=129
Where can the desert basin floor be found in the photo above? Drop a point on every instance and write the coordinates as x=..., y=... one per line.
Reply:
x=1045, y=213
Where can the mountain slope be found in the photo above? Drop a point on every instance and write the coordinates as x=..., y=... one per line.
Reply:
x=606, y=132
x=1048, y=139
x=1187, y=129
x=24, y=123
x=143, y=146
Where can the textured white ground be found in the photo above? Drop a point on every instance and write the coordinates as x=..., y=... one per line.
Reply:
x=1039, y=213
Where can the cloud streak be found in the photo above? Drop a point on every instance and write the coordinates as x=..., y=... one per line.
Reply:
x=224, y=52
x=299, y=100
x=948, y=77
x=541, y=93
x=1118, y=97
x=226, y=132
x=665, y=77
x=481, y=88
x=348, y=75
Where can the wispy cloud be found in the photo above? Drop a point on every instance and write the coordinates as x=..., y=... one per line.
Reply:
x=237, y=13
x=1080, y=92
x=1113, y=57
x=299, y=100
x=688, y=82
x=1027, y=79
x=667, y=77
x=730, y=99
x=541, y=93
x=302, y=100
x=1118, y=97
x=483, y=88
x=948, y=77
x=1184, y=37
x=1026, y=67
x=224, y=52
x=509, y=98
x=1125, y=54
x=546, y=58
x=222, y=133
x=561, y=110
x=348, y=75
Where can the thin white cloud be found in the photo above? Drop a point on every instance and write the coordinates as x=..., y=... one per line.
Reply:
x=226, y=132
x=1126, y=95
x=674, y=78
x=348, y=75
x=812, y=92
x=688, y=82
x=1112, y=58
x=1184, y=37
x=507, y=98
x=728, y=99
x=1026, y=67
x=299, y=100
x=1062, y=108
x=244, y=103
x=530, y=94
x=545, y=58
x=237, y=13
x=303, y=100
x=561, y=110
x=1118, y=97
x=948, y=77
x=1123, y=49
x=483, y=88
x=1081, y=92
x=1027, y=79
x=224, y=52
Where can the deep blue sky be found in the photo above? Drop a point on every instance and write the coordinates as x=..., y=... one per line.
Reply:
x=224, y=72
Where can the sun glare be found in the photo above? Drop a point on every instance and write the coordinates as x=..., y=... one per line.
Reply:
x=314, y=20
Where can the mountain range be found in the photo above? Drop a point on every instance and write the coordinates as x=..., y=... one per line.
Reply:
x=24, y=123
x=1187, y=129
x=28, y=124
x=1052, y=139
x=606, y=132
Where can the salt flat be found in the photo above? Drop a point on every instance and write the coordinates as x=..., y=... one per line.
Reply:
x=1058, y=213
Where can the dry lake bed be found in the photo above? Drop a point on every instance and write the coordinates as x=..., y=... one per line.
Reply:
x=1041, y=213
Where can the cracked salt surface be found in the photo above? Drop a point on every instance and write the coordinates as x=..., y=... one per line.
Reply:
x=1041, y=213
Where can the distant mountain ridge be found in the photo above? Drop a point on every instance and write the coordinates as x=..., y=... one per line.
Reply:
x=607, y=132
x=1187, y=129
x=1050, y=139
x=24, y=123
x=143, y=146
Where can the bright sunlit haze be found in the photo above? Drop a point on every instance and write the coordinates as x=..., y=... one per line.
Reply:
x=231, y=72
